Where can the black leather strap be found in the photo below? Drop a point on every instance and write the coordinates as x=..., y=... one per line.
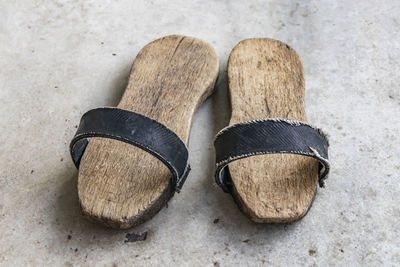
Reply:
x=137, y=130
x=268, y=136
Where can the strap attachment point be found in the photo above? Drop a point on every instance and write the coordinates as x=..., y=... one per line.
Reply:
x=182, y=179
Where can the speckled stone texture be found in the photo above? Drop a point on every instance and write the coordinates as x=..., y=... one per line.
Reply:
x=61, y=58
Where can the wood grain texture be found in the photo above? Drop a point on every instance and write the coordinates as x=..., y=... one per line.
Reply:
x=121, y=185
x=266, y=80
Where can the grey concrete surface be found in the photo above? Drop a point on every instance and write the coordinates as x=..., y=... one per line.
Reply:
x=61, y=58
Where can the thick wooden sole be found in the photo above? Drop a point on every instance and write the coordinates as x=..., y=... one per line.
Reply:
x=120, y=185
x=266, y=80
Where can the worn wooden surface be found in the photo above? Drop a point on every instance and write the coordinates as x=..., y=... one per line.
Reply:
x=120, y=185
x=266, y=80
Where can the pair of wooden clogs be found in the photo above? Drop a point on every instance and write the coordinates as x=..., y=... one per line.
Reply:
x=269, y=159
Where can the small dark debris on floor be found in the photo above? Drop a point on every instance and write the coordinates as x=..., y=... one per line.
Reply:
x=341, y=250
x=135, y=237
x=76, y=126
x=312, y=252
x=69, y=237
x=216, y=220
x=246, y=241
x=227, y=248
x=216, y=263
x=76, y=250
x=114, y=54
x=32, y=171
x=61, y=159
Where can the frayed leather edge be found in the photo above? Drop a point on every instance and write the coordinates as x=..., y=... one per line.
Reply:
x=285, y=120
x=323, y=173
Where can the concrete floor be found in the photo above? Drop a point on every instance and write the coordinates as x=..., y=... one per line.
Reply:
x=59, y=59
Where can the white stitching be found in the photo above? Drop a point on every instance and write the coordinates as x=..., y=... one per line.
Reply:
x=230, y=159
x=289, y=121
x=225, y=162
